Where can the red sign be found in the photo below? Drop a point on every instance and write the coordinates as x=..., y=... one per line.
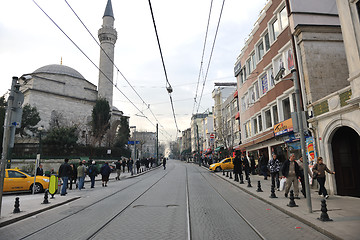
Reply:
x=212, y=136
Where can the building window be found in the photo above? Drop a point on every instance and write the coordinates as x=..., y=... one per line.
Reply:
x=252, y=95
x=264, y=83
x=260, y=50
x=284, y=21
x=256, y=88
x=244, y=71
x=255, y=125
x=249, y=66
x=241, y=76
x=253, y=60
x=275, y=29
x=271, y=77
x=286, y=108
x=268, y=119
x=275, y=115
x=267, y=41
x=259, y=122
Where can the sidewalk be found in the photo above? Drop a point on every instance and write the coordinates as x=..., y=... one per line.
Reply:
x=31, y=205
x=344, y=211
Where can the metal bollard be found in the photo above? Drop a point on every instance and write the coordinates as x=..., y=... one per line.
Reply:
x=223, y=172
x=46, y=197
x=259, y=187
x=273, y=192
x=227, y=174
x=17, y=205
x=230, y=175
x=249, y=182
x=292, y=201
x=324, y=216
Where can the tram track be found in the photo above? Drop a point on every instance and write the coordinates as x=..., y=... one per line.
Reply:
x=86, y=207
x=234, y=208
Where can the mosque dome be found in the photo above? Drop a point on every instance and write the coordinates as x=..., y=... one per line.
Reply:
x=59, y=69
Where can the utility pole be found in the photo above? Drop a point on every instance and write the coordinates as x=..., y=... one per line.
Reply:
x=12, y=120
x=157, y=144
x=198, y=143
x=302, y=139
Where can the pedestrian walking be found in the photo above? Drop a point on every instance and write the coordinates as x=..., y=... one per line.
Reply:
x=274, y=167
x=128, y=164
x=123, y=163
x=246, y=165
x=118, y=169
x=319, y=173
x=131, y=165
x=164, y=163
x=92, y=172
x=105, y=171
x=302, y=176
x=81, y=171
x=39, y=171
x=252, y=164
x=64, y=173
x=263, y=162
x=237, y=166
x=137, y=166
x=72, y=176
x=291, y=171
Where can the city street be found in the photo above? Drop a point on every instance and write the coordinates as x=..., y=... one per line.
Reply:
x=184, y=201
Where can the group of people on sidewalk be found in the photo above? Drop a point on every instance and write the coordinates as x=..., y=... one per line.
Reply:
x=68, y=173
x=292, y=170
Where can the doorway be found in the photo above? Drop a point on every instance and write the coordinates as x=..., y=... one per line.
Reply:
x=345, y=146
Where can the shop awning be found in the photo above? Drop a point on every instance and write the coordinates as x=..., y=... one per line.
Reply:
x=218, y=148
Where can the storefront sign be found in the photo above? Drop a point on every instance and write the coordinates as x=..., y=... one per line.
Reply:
x=283, y=127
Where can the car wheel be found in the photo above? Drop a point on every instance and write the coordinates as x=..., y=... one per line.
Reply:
x=217, y=169
x=38, y=188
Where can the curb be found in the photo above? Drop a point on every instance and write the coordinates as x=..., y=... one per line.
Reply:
x=310, y=224
x=10, y=221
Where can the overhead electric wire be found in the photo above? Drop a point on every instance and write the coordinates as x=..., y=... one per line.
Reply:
x=92, y=62
x=118, y=70
x=202, y=57
x=212, y=50
x=168, y=85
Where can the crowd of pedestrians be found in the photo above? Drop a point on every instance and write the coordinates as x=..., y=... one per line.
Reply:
x=291, y=171
x=71, y=174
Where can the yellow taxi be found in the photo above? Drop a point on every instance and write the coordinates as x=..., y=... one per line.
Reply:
x=225, y=164
x=17, y=180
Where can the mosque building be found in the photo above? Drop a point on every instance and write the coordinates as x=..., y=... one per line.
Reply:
x=64, y=97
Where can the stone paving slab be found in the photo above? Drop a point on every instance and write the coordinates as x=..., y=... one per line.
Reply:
x=344, y=211
x=31, y=205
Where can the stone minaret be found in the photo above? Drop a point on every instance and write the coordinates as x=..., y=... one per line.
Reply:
x=107, y=37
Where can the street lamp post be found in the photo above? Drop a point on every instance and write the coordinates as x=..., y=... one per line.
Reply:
x=38, y=156
x=301, y=132
x=134, y=141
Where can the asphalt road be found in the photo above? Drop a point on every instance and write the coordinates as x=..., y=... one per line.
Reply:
x=184, y=201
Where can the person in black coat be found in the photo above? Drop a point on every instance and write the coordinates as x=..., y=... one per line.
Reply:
x=64, y=174
x=237, y=166
x=105, y=171
x=39, y=171
x=263, y=162
x=246, y=165
x=164, y=163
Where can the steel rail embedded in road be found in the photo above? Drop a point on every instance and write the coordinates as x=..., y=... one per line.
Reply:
x=187, y=205
x=82, y=209
x=95, y=233
x=242, y=216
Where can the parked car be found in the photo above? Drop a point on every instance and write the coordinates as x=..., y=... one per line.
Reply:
x=17, y=180
x=225, y=164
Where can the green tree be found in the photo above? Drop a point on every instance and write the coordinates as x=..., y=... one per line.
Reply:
x=61, y=139
x=100, y=119
x=122, y=137
x=30, y=118
x=123, y=133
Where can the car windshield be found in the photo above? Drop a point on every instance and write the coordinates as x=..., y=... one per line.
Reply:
x=26, y=173
x=225, y=160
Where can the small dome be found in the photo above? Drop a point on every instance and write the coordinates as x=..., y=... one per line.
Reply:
x=59, y=69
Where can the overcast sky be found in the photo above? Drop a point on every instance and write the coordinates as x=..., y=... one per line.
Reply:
x=29, y=40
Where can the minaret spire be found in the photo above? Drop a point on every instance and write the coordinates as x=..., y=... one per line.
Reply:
x=107, y=37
